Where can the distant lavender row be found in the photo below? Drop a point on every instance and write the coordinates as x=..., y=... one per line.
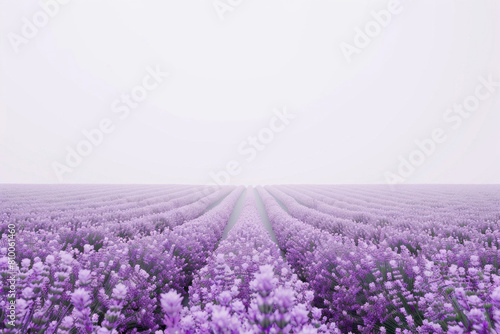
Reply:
x=450, y=202
x=449, y=215
x=40, y=213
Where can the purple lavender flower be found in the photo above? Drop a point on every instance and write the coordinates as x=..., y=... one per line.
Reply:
x=81, y=301
x=171, y=306
x=120, y=292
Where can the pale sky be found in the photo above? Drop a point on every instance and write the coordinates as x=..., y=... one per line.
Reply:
x=221, y=113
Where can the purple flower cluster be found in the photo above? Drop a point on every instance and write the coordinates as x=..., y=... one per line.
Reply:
x=314, y=259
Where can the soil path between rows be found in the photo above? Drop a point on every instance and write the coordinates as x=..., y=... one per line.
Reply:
x=235, y=214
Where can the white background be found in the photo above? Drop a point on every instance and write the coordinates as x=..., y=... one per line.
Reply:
x=353, y=120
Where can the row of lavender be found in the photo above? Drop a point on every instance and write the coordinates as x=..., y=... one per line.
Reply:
x=114, y=216
x=78, y=274
x=246, y=287
x=411, y=259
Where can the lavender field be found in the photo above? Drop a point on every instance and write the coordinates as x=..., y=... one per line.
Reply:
x=274, y=259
